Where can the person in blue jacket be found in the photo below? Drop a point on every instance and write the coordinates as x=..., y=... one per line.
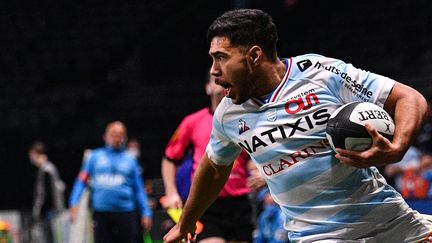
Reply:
x=117, y=191
x=270, y=225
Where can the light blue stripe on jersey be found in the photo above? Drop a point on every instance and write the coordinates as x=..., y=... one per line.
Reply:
x=314, y=168
x=228, y=153
x=347, y=188
x=312, y=186
x=218, y=126
x=346, y=216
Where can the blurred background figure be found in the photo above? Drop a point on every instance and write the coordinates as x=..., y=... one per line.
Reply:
x=270, y=225
x=426, y=170
x=48, y=194
x=5, y=235
x=257, y=185
x=118, y=199
x=412, y=176
x=133, y=147
x=424, y=143
x=81, y=230
x=424, y=138
x=229, y=218
x=407, y=175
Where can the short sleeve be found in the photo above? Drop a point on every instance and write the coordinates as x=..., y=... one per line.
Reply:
x=221, y=149
x=346, y=82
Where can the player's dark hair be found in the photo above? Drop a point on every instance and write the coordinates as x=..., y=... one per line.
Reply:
x=247, y=27
x=38, y=146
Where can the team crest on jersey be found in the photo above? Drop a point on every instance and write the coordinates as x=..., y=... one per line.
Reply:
x=242, y=127
x=271, y=114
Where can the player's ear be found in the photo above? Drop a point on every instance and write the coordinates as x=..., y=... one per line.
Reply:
x=255, y=55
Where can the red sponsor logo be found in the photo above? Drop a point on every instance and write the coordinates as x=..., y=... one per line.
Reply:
x=293, y=158
x=303, y=103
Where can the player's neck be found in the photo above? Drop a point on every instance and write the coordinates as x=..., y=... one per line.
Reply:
x=271, y=76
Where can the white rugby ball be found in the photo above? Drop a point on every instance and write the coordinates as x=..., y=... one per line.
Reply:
x=345, y=127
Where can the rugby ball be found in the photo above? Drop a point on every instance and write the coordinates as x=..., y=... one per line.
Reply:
x=345, y=128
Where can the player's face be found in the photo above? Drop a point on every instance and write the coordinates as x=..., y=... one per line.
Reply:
x=230, y=69
x=115, y=136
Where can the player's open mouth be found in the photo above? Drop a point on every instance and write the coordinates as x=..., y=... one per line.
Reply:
x=225, y=85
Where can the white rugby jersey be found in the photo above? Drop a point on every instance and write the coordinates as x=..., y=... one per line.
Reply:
x=285, y=136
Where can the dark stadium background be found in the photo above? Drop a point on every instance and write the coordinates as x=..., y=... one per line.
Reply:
x=69, y=67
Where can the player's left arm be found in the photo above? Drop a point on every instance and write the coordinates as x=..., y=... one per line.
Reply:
x=207, y=182
x=409, y=108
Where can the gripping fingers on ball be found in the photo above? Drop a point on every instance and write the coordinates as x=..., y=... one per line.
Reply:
x=376, y=137
x=372, y=131
x=349, y=158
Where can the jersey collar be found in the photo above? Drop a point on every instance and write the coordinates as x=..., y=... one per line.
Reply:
x=275, y=94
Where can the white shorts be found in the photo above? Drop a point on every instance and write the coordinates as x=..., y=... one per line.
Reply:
x=408, y=228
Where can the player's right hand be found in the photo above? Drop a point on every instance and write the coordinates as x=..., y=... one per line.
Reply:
x=382, y=152
x=172, y=201
x=175, y=235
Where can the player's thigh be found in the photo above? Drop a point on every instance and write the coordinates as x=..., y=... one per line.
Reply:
x=213, y=239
